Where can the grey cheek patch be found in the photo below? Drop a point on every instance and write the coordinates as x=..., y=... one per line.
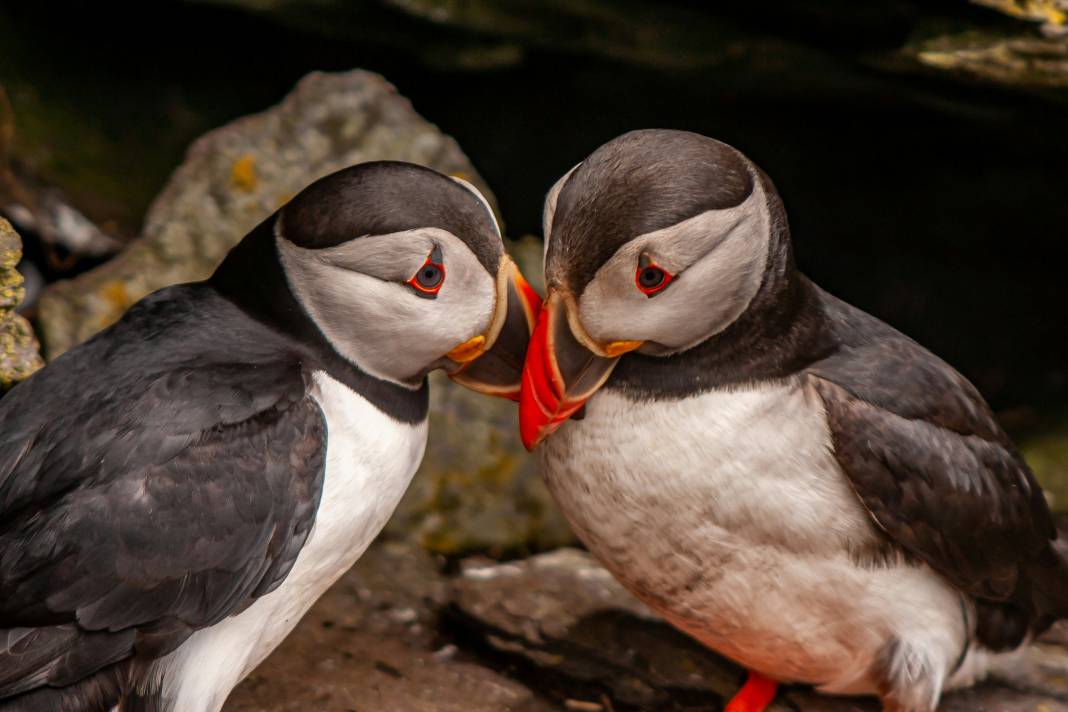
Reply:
x=355, y=293
x=718, y=258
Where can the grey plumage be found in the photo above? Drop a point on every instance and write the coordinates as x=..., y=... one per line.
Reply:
x=177, y=482
x=938, y=474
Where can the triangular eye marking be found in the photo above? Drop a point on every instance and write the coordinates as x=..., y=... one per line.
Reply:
x=651, y=278
x=429, y=278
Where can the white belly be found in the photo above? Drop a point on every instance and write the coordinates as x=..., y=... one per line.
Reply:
x=370, y=461
x=728, y=514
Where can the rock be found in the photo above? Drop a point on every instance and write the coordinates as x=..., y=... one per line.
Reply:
x=477, y=488
x=566, y=616
x=1010, y=55
x=1052, y=14
x=370, y=644
x=19, y=353
x=1028, y=61
x=574, y=629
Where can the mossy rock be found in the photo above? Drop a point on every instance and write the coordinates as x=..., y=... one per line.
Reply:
x=19, y=352
x=1046, y=451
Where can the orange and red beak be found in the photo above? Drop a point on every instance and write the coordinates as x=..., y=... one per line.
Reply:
x=492, y=363
x=561, y=371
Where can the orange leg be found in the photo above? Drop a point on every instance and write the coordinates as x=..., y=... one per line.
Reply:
x=756, y=694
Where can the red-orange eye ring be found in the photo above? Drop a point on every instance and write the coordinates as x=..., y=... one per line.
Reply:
x=429, y=278
x=651, y=278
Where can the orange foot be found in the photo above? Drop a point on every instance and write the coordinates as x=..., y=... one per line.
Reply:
x=756, y=694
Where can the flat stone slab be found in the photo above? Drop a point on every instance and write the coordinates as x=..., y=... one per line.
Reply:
x=373, y=643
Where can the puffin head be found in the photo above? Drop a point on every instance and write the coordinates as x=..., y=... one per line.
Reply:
x=403, y=270
x=656, y=243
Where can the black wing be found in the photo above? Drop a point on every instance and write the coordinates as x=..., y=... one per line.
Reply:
x=152, y=482
x=929, y=462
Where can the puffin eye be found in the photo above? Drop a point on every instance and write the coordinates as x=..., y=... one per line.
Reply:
x=429, y=278
x=651, y=278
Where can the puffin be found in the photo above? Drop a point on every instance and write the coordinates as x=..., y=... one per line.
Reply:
x=785, y=478
x=176, y=492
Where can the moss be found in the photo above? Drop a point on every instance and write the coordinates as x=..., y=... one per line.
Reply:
x=1046, y=451
x=19, y=351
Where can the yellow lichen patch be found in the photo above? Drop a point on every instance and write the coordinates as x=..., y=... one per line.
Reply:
x=1051, y=11
x=116, y=294
x=243, y=173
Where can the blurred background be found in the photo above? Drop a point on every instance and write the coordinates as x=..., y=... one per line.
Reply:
x=921, y=148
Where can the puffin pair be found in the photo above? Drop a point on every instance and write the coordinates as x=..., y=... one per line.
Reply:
x=780, y=475
x=176, y=492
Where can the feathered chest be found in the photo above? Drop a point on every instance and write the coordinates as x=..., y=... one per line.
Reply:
x=705, y=475
x=370, y=460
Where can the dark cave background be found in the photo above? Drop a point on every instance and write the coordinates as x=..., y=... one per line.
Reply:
x=936, y=200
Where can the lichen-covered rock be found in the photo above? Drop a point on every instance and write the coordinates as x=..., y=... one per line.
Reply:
x=19, y=354
x=1013, y=55
x=1019, y=60
x=1052, y=14
x=477, y=488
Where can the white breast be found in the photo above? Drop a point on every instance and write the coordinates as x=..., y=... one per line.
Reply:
x=728, y=514
x=370, y=461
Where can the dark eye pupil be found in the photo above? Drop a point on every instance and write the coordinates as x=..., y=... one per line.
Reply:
x=429, y=276
x=651, y=277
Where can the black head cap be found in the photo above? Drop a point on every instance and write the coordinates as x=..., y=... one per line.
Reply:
x=384, y=197
x=640, y=182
